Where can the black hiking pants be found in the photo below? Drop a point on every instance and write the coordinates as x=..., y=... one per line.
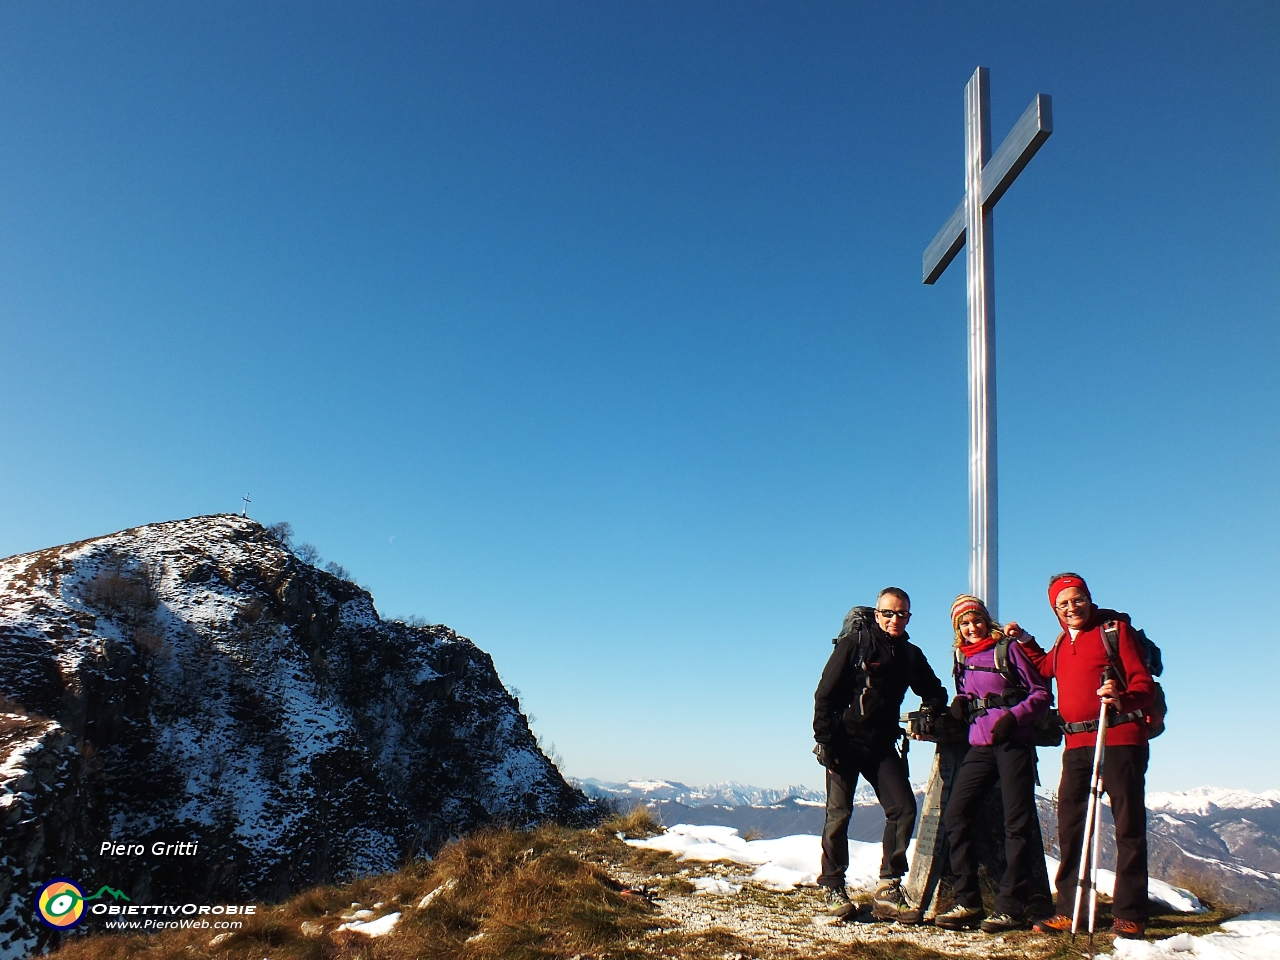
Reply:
x=1124, y=778
x=886, y=771
x=1014, y=765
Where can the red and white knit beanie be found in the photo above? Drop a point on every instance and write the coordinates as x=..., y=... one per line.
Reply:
x=967, y=604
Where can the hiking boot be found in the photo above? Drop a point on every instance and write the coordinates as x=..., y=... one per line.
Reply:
x=1055, y=924
x=838, y=903
x=1001, y=923
x=891, y=903
x=1128, y=929
x=960, y=918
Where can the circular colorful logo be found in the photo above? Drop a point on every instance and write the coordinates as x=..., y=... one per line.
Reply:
x=60, y=904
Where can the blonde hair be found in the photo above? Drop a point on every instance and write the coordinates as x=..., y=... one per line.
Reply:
x=974, y=605
x=996, y=631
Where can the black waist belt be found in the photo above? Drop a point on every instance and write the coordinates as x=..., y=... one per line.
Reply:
x=980, y=705
x=1113, y=720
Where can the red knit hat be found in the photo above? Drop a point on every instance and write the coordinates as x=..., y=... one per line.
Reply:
x=966, y=604
x=1061, y=583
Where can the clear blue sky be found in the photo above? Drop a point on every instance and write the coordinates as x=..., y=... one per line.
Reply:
x=596, y=332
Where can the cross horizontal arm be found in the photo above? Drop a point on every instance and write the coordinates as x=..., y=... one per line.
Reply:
x=1031, y=130
x=949, y=242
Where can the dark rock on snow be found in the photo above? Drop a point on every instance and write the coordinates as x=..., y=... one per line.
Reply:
x=196, y=682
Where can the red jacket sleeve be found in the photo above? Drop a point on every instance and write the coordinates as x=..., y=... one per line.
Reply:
x=1038, y=657
x=1139, y=688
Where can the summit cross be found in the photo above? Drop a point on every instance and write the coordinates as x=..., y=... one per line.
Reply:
x=986, y=179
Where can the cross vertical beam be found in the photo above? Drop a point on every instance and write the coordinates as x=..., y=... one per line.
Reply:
x=983, y=535
x=987, y=177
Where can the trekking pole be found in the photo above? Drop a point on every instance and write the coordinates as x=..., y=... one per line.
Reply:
x=1097, y=816
x=1089, y=825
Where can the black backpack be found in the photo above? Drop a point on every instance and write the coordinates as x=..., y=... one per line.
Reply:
x=1047, y=729
x=863, y=698
x=1154, y=715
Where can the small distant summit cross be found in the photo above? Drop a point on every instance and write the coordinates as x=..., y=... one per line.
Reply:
x=245, y=512
x=987, y=177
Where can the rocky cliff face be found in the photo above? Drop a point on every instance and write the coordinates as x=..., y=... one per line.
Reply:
x=194, y=682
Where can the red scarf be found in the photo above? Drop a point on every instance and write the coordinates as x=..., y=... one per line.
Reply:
x=986, y=643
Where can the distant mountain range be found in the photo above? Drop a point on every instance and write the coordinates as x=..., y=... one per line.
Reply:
x=1223, y=845
x=1227, y=838
x=729, y=793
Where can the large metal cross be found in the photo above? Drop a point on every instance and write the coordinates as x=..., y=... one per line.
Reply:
x=986, y=179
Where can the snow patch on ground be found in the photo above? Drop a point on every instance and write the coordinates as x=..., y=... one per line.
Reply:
x=373, y=928
x=781, y=864
x=1254, y=936
x=790, y=862
x=1175, y=898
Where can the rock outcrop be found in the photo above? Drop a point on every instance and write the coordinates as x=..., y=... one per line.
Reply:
x=196, y=683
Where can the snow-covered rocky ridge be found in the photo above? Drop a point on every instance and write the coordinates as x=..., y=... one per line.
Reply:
x=195, y=682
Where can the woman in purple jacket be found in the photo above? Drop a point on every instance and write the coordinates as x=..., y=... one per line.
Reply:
x=1000, y=711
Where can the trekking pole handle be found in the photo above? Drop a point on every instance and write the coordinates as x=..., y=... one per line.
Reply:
x=1109, y=675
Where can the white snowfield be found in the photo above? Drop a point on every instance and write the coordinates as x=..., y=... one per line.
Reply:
x=781, y=864
x=1254, y=936
x=789, y=862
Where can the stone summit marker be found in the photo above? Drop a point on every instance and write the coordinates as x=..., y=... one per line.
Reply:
x=986, y=179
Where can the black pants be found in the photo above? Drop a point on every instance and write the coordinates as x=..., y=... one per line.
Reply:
x=886, y=771
x=1124, y=777
x=1014, y=765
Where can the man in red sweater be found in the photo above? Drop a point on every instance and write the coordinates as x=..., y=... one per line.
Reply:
x=1078, y=662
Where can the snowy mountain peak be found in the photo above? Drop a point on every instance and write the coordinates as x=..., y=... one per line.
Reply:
x=195, y=681
x=1202, y=800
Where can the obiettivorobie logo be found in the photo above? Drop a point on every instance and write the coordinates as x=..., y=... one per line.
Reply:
x=60, y=903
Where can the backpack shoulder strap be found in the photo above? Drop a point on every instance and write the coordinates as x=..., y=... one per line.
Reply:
x=1001, y=652
x=859, y=654
x=1111, y=643
x=1053, y=651
x=1004, y=665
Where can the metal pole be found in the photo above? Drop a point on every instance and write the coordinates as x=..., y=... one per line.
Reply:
x=982, y=367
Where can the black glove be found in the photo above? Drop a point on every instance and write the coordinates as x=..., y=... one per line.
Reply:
x=1003, y=728
x=824, y=755
x=960, y=709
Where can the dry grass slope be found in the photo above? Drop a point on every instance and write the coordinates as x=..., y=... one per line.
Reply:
x=548, y=894
x=635, y=824
x=509, y=894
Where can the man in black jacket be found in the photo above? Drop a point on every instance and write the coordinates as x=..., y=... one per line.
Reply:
x=855, y=721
